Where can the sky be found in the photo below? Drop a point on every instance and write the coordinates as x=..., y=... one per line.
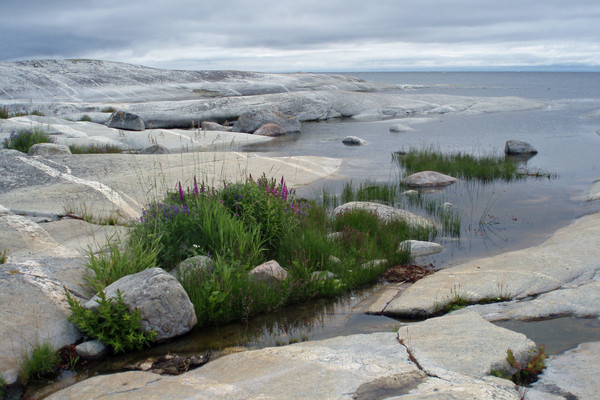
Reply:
x=308, y=35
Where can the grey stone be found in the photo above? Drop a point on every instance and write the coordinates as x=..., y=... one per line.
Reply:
x=400, y=128
x=573, y=373
x=49, y=149
x=386, y=213
x=420, y=248
x=213, y=126
x=428, y=179
x=517, y=147
x=568, y=260
x=125, y=120
x=270, y=130
x=323, y=276
x=464, y=343
x=250, y=121
x=191, y=265
x=353, y=141
x=163, y=303
x=91, y=349
x=155, y=149
x=269, y=271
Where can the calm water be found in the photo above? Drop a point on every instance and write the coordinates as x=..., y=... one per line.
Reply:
x=512, y=216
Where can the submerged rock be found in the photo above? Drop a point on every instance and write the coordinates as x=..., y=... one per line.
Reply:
x=420, y=248
x=91, y=349
x=270, y=130
x=353, y=141
x=400, y=128
x=163, y=303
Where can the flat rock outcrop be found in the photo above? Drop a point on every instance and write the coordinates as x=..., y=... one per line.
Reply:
x=347, y=367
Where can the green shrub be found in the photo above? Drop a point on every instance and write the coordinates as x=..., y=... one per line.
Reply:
x=4, y=114
x=116, y=260
x=112, y=323
x=85, y=118
x=109, y=109
x=24, y=139
x=527, y=373
x=2, y=385
x=43, y=360
x=3, y=256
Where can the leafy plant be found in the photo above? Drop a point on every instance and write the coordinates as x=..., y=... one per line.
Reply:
x=2, y=385
x=526, y=373
x=112, y=323
x=41, y=361
x=4, y=114
x=24, y=139
x=85, y=118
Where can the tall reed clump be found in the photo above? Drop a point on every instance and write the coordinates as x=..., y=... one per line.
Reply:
x=465, y=166
x=24, y=139
x=42, y=360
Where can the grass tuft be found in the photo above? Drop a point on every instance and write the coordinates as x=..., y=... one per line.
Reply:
x=40, y=362
x=95, y=149
x=3, y=256
x=24, y=139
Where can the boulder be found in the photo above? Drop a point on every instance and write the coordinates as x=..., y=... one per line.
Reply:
x=191, y=265
x=163, y=303
x=251, y=121
x=91, y=349
x=213, y=126
x=386, y=213
x=269, y=271
x=428, y=179
x=400, y=128
x=270, y=130
x=323, y=276
x=516, y=147
x=155, y=149
x=420, y=248
x=49, y=149
x=126, y=121
x=353, y=141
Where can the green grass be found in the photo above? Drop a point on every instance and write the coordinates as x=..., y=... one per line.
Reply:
x=24, y=139
x=5, y=114
x=459, y=165
x=242, y=225
x=41, y=361
x=3, y=256
x=95, y=149
x=85, y=118
x=109, y=109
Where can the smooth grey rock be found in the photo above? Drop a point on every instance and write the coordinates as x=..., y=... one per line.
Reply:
x=573, y=373
x=191, y=265
x=213, y=126
x=386, y=213
x=353, y=141
x=517, y=147
x=271, y=130
x=334, y=259
x=271, y=270
x=464, y=343
x=567, y=260
x=49, y=149
x=91, y=349
x=594, y=193
x=400, y=128
x=250, y=121
x=323, y=276
x=155, y=149
x=125, y=120
x=428, y=179
x=420, y=248
x=163, y=303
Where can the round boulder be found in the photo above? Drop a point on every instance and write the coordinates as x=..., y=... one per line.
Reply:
x=155, y=149
x=163, y=303
x=270, y=130
x=353, y=141
x=213, y=126
x=49, y=149
x=516, y=147
x=428, y=179
x=249, y=122
x=126, y=121
x=420, y=248
x=386, y=213
x=269, y=271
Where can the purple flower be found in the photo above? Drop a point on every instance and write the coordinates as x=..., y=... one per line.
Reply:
x=181, y=194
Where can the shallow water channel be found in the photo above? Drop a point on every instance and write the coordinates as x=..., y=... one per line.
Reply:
x=495, y=217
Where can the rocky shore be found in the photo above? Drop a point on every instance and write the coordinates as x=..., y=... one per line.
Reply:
x=442, y=357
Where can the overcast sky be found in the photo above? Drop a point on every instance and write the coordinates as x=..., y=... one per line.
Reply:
x=307, y=35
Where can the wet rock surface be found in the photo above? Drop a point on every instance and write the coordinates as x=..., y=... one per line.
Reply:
x=428, y=179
